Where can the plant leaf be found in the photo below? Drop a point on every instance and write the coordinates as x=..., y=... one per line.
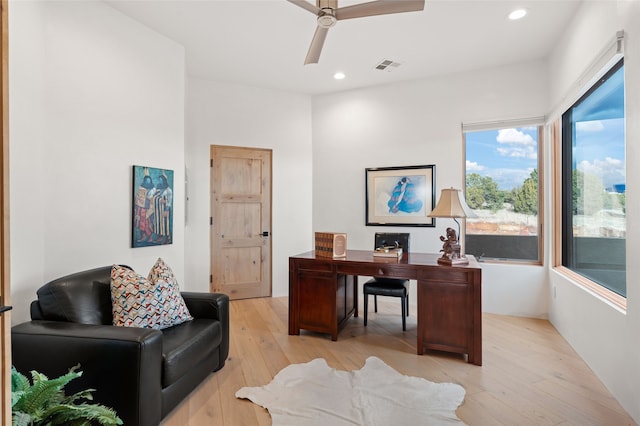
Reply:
x=18, y=418
x=43, y=403
x=70, y=414
x=84, y=394
x=19, y=381
x=42, y=392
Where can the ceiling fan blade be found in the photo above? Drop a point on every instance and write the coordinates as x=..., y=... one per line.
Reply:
x=306, y=5
x=379, y=7
x=316, y=45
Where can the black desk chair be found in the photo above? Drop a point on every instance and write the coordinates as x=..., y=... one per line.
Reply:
x=394, y=287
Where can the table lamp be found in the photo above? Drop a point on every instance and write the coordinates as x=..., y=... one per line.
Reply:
x=452, y=204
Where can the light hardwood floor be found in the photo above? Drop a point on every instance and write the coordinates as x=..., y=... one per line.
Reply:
x=529, y=376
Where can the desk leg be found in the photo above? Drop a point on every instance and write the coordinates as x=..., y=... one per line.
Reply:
x=355, y=295
x=475, y=355
x=294, y=323
x=421, y=316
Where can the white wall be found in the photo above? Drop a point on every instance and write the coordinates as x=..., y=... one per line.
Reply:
x=236, y=115
x=92, y=93
x=417, y=123
x=606, y=338
x=27, y=158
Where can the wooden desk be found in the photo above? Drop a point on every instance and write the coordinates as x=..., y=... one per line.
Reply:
x=323, y=295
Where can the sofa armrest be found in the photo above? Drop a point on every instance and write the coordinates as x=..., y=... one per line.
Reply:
x=207, y=305
x=123, y=364
x=215, y=306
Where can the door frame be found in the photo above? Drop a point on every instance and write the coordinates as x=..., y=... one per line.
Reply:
x=5, y=287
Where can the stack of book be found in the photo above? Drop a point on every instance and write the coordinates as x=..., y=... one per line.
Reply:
x=392, y=252
x=331, y=244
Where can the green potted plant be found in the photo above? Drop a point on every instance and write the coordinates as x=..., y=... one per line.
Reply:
x=44, y=403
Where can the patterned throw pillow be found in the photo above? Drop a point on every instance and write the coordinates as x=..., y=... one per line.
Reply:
x=174, y=310
x=153, y=302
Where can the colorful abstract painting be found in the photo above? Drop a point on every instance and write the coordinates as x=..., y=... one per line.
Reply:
x=152, y=206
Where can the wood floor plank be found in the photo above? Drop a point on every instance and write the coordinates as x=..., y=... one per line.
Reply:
x=592, y=410
x=530, y=375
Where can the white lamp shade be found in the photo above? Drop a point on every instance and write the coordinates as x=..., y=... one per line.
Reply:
x=451, y=204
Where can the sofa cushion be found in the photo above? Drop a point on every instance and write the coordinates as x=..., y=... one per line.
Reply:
x=82, y=297
x=186, y=344
x=174, y=309
x=139, y=302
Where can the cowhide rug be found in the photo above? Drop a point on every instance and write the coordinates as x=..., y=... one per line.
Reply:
x=315, y=394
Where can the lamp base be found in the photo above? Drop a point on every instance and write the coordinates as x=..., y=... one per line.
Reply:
x=449, y=261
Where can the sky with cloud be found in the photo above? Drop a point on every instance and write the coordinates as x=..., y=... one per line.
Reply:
x=509, y=155
x=600, y=150
x=506, y=155
x=599, y=140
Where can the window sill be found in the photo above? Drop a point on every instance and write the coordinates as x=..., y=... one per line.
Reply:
x=520, y=262
x=609, y=296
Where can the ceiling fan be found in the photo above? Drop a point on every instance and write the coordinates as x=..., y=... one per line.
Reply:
x=329, y=13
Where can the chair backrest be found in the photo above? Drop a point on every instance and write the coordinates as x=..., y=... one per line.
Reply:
x=390, y=239
x=83, y=297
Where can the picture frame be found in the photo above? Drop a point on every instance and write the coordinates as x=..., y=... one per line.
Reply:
x=152, y=212
x=400, y=196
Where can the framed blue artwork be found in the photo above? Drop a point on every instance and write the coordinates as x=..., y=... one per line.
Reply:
x=400, y=196
x=152, y=223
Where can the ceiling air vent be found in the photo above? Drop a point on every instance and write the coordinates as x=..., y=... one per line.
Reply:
x=387, y=64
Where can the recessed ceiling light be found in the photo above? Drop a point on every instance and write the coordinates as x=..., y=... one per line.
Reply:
x=339, y=75
x=517, y=14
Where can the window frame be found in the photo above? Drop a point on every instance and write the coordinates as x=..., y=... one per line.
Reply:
x=563, y=164
x=537, y=122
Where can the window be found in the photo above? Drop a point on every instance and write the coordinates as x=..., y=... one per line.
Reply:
x=503, y=182
x=593, y=184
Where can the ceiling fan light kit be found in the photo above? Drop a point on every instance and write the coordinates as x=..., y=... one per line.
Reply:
x=328, y=13
x=327, y=20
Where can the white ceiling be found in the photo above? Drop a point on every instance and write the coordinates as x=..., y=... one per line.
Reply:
x=264, y=42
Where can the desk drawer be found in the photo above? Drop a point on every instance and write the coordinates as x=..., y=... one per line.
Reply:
x=447, y=275
x=314, y=265
x=374, y=269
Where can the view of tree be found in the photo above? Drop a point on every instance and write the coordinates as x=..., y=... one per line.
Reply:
x=474, y=193
x=483, y=193
x=590, y=196
x=525, y=197
x=508, y=196
x=622, y=200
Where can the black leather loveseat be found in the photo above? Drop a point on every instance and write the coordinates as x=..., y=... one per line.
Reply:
x=142, y=373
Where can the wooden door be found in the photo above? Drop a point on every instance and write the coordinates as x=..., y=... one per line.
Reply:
x=241, y=221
